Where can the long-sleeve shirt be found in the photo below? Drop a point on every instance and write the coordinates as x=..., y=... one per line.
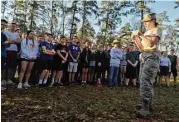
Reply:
x=98, y=57
x=3, y=48
x=12, y=36
x=116, y=56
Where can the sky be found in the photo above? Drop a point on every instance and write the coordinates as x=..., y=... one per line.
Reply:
x=157, y=7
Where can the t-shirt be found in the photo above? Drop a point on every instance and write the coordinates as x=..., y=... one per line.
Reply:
x=74, y=49
x=152, y=32
x=12, y=36
x=123, y=60
x=173, y=60
x=106, y=56
x=164, y=61
x=3, y=48
x=63, y=50
x=132, y=57
x=49, y=46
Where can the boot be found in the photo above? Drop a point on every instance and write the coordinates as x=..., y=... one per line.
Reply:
x=144, y=112
x=139, y=106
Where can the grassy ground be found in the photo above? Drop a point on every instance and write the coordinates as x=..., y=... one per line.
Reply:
x=85, y=103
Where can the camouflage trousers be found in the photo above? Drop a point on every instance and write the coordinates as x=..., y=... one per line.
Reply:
x=149, y=65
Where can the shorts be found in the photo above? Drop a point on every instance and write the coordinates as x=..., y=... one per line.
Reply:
x=72, y=67
x=28, y=60
x=46, y=64
x=37, y=64
x=58, y=65
x=11, y=59
x=164, y=71
x=123, y=63
x=92, y=63
x=84, y=65
x=131, y=72
x=174, y=72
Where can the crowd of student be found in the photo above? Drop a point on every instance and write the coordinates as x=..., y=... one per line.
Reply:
x=39, y=61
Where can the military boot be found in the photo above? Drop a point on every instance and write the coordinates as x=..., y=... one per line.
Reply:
x=139, y=106
x=144, y=111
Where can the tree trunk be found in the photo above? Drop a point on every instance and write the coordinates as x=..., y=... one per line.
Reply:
x=25, y=10
x=73, y=18
x=107, y=23
x=14, y=15
x=4, y=8
x=84, y=12
x=106, y=26
x=142, y=16
x=52, y=13
x=63, y=24
x=32, y=15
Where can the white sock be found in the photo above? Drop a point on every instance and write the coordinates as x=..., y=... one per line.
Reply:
x=59, y=81
x=53, y=79
x=56, y=81
x=45, y=81
x=40, y=81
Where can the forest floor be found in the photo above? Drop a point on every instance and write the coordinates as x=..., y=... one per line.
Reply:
x=86, y=104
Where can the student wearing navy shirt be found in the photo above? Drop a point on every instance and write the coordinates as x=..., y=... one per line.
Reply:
x=46, y=58
x=74, y=54
x=3, y=50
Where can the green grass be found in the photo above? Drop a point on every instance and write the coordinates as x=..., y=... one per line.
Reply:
x=85, y=103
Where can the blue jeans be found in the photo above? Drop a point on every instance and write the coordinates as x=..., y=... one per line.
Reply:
x=113, y=77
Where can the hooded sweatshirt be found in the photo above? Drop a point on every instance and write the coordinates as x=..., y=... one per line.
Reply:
x=29, y=49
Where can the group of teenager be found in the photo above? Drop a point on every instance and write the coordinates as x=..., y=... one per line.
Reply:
x=70, y=61
x=37, y=58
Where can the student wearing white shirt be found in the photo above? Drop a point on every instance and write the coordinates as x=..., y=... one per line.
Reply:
x=29, y=51
x=165, y=68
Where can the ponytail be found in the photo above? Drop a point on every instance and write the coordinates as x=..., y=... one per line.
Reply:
x=28, y=32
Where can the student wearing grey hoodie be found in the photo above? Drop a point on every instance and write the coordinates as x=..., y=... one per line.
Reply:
x=116, y=56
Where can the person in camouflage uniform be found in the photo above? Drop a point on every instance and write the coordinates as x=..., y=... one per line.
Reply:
x=149, y=66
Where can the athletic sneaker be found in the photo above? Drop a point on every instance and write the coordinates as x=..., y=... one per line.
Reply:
x=51, y=85
x=3, y=82
x=98, y=84
x=83, y=83
x=60, y=84
x=19, y=86
x=26, y=85
x=10, y=82
x=3, y=88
